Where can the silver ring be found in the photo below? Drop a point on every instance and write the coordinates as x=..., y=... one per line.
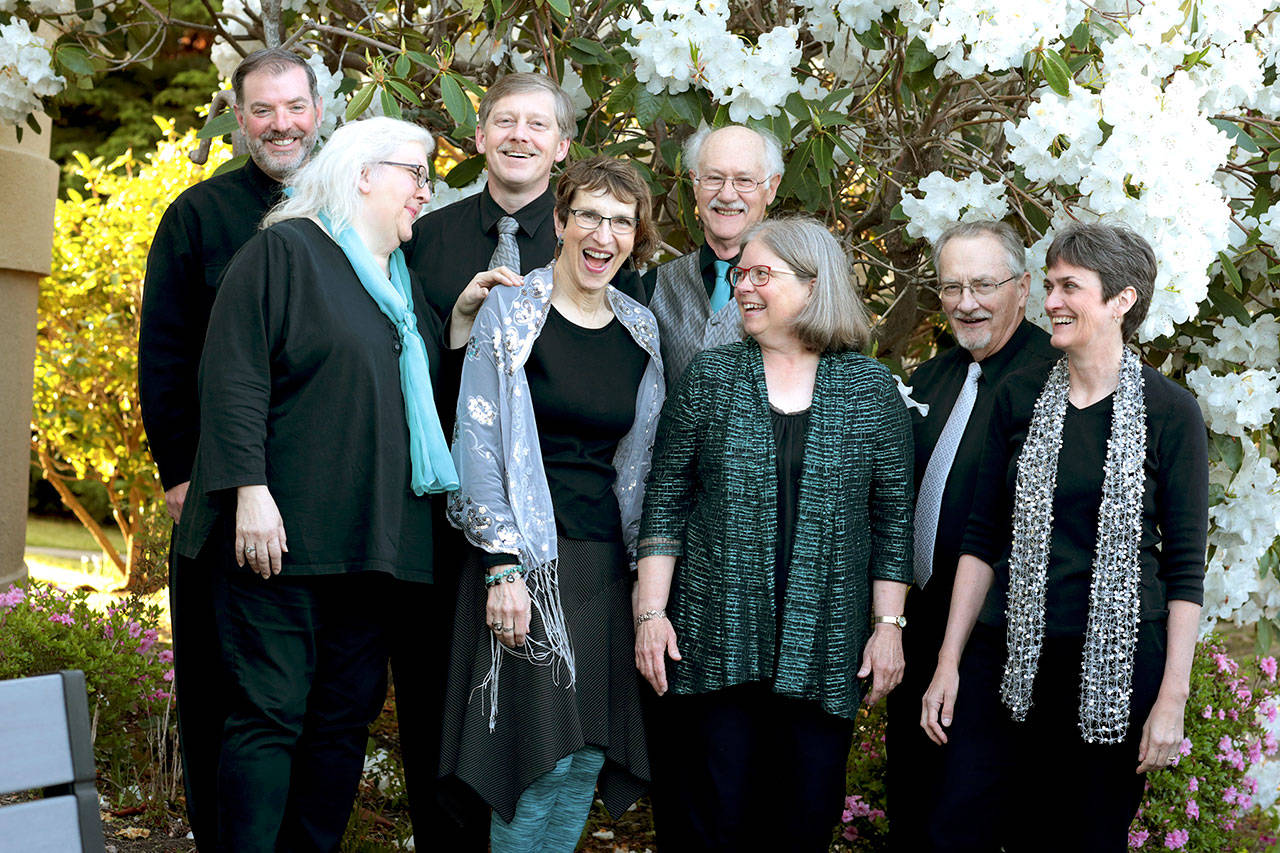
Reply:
x=510, y=630
x=250, y=550
x=497, y=626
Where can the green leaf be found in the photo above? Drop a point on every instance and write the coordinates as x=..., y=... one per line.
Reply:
x=390, y=107
x=620, y=98
x=1230, y=451
x=465, y=172
x=687, y=107
x=897, y=214
x=647, y=106
x=798, y=106
x=221, y=125
x=455, y=101
x=348, y=85
x=830, y=118
x=871, y=39
x=1232, y=274
x=73, y=58
x=405, y=91
x=593, y=81
x=401, y=66
x=796, y=165
x=1056, y=73
x=1264, y=636
x=1244, y=140
x=919, y=57
x=1228, y=305
x=1261, y=199
x=420, y=58
x=822, y=159
x=231, y=165
x=561, y=6
x=360, y=102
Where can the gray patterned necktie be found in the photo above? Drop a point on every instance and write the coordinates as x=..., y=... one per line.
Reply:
x=508, y=252
x=929, y=502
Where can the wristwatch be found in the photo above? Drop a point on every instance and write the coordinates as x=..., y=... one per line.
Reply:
x=900, y=621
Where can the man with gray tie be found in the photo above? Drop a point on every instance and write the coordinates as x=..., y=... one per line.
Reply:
x=736, y=171
x=983, y=284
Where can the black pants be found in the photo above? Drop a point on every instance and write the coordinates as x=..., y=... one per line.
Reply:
x=308, y=656
x=201, y=685
x=914, y=767
x=745, y=769
x=445, y=812
x=1036, y=785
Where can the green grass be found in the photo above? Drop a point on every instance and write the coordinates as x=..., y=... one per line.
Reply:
x=45, y=532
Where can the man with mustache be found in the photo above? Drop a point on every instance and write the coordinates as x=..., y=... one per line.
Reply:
x=278, y=110
x=983, y=284
x=735, y=171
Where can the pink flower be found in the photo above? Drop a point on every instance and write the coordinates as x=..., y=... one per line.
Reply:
x=1255, y=752
x=1233, y=714
x=12, y=597
x=1225, y=743
x=1184, y=748
x=1137, y=838
x=1193, y=810
x=1244, y=694
x=1207, y=712
x=1229, y=795
x=168, y=675
x=850, y=833
x=1268, y=667
x=1193, y=785
x=1269, y=744
x=165, y=656
x=1176, y=839
x=1225, y=664
x=63, y=618
x=135, y=630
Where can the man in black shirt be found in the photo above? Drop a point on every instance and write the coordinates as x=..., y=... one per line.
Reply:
x=735, y=171
x=278, y=110
x=983, y=285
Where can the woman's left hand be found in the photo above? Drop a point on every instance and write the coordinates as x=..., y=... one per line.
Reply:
x=882, y=659
x=1161, y=734
x=472, y=297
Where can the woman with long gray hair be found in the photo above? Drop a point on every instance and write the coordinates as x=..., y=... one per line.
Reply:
x=320, y=453
x=782, y=485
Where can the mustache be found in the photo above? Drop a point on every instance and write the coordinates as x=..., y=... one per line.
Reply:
x=972, y=315
x=736, y=206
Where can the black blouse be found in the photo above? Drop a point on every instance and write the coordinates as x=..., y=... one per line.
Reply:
x=300, y=391
x=1175, y=503
x=789, y=432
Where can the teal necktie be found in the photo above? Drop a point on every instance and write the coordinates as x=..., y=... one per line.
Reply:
x=722, y=292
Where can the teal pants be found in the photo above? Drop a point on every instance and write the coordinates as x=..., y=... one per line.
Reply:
x=552, y=811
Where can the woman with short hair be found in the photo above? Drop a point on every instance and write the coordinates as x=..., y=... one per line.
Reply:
x=782, y=486
x=561, y=390
x=1088, y=530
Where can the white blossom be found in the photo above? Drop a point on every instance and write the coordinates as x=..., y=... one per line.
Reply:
x=1236, y=403
x=947, y=201
x=1256, y=345
x=327, y=83
x=443, y=195
x=970, y=36
x=1036, y=140
x=26, y=72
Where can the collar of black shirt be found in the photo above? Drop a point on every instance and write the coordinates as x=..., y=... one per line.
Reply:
x=531, y=216
x=995, y=365
x=265, y=185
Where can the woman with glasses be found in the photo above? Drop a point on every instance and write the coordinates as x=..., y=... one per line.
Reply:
x=774, y=555
x=321, y=452
x=561, y=391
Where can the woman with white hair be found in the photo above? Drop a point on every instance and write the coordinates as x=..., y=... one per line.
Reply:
x=321, y=450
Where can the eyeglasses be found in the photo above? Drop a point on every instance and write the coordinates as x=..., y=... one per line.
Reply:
x=951, y=291
x=758, y=275
x=715, y=183
x=591, y=220
x=419, y=171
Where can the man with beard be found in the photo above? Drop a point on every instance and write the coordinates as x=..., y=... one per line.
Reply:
x=278, y=110
x=735, y=171
x=983, y=284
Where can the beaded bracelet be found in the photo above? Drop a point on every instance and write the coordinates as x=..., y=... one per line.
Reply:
x=509, y=574
x=650, y=615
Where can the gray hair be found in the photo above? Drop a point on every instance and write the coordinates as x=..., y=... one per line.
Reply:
x=772, y=148
x=524, y=83
x=834, y=319
x=329, y=181
x=274, y=61
x=1121, y=258
x=1011, y=241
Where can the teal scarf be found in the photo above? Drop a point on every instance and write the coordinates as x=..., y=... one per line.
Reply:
x=432, y=469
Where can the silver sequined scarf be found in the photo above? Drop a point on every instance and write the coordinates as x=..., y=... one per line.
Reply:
x=1112, y=633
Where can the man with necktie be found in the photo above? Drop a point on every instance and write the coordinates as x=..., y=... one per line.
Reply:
x=735, y=171
x=983, y=284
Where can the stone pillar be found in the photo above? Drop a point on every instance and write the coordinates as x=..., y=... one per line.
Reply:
x=28, y=188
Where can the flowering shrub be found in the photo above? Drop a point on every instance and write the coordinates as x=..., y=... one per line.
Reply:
x=128, y=676
x=864, y=826
x=1230, y=729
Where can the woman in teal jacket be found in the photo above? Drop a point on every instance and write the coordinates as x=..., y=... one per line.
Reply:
x=774, y=556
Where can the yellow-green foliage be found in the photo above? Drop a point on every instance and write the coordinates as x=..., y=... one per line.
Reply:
x=86, y=423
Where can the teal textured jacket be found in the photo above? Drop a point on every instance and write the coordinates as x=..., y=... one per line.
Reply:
x=712, y=502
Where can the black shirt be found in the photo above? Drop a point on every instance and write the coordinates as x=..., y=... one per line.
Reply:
x=937, y=382
x=583, y=384
x=1175, y=502
x=706, y=263
x=300, y=391
x=790, y=429
x=197, y=236
x=450, y=245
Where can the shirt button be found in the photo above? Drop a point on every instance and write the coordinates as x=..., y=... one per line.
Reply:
x=396, y=347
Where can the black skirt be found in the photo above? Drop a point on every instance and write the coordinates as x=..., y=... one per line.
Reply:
x=541, y=718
